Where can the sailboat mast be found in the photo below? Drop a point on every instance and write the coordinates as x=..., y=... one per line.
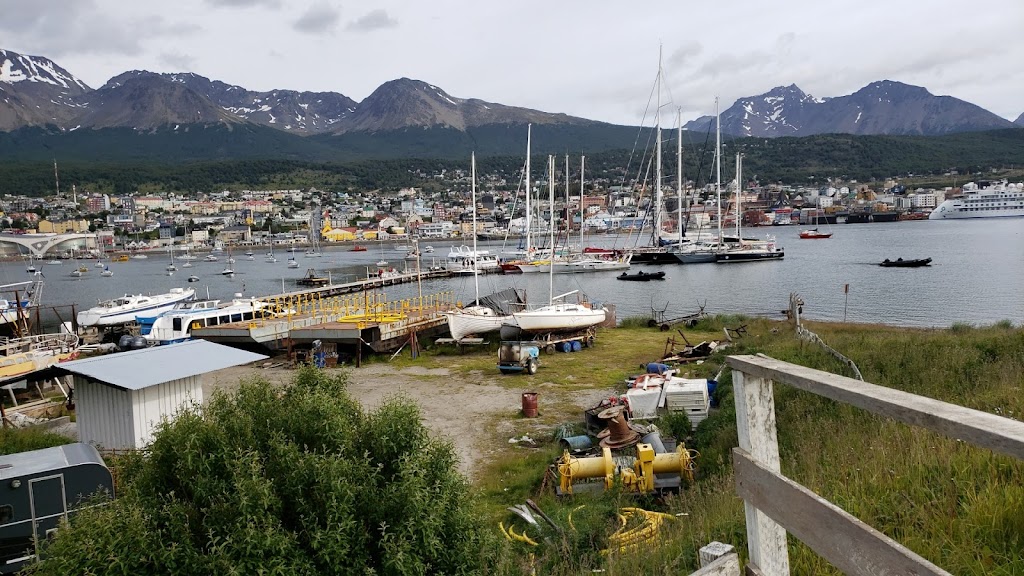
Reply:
x=679, y=174
x=582, y=165
x=568, y=219
x=476, y=275
x=739, y=195
x=551, y=213
x=718, y=167
x=657, y=167
x=529, y=222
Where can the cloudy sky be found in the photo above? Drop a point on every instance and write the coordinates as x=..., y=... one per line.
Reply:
x=590, y=58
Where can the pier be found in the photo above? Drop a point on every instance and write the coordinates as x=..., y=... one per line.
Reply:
x=352, y=320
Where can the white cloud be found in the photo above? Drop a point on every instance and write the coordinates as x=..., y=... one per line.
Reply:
x=318, y=19
x=374, y=20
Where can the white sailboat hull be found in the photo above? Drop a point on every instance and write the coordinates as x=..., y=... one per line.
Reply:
x=474, y=320
x=559, y=317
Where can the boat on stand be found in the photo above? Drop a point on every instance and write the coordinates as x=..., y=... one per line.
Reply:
x=477, y=318
x=124, y=309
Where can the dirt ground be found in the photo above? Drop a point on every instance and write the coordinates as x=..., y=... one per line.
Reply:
x=478, y=412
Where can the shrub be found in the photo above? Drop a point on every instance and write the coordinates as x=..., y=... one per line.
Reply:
x=296, y=480
x=676, y=424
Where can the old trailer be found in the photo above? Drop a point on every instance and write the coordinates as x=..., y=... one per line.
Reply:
x=40, y=487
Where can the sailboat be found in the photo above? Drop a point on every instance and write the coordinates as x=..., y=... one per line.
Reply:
x=107, y=272
x=814, y=233
x=747, y=250
x=707, y=252
x=656, y=253
x=558, y=315
x=474, y=319
x=270, y=255
x=171, y=268
x=292, y=262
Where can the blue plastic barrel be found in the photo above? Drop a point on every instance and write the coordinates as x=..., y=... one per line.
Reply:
x=320, y=359
x=576, y=443
x=712, y=386
x=576, y=346
x=565, y=346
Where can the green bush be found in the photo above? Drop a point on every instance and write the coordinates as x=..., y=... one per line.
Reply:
x=676, y=425
x=298, y=480
x=14, y=440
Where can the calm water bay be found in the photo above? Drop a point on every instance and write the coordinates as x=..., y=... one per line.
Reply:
x=976, y=276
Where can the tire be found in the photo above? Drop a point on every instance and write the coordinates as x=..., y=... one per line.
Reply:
x=550, y=348
x=651, y=323
x=589, y=342
x=664, y=328
x=531, y=367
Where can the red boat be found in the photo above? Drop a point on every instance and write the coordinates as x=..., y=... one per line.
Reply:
x=358, y=248
x=814, y=234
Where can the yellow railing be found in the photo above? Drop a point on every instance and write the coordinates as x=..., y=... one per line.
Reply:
x=363, y=307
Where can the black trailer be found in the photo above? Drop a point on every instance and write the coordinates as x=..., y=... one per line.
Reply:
x=40, y=487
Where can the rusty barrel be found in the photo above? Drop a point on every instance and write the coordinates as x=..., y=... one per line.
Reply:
x=530, y=404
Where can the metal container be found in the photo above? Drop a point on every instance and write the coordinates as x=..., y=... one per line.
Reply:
x=530, y=404
x=576, y=443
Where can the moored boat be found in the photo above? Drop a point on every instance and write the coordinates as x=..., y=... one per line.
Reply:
x=176, y=325
x=124, y=309
x=19, y=356
x=901, y=263
x=641, y=276
x=814, y=234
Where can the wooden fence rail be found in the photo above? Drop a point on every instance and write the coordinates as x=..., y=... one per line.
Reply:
x=775, y=504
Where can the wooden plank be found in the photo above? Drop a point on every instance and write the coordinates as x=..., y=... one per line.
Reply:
x=849, y=544
x=979, y=428
x=755, y=422
x=752, y=570
x=728, y=565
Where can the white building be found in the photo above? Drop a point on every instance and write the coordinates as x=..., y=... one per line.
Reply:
x=121, y=398
x=824, y=201
x=923, y=200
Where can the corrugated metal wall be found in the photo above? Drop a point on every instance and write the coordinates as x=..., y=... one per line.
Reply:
x=104, y=415
x=119, y=419
x=163, y=400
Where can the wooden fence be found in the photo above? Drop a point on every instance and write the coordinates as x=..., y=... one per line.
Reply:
x=775, y=504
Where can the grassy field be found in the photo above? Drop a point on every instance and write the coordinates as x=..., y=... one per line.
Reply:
x=957, y=506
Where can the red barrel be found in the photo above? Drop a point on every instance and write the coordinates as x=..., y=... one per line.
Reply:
x=530, y=404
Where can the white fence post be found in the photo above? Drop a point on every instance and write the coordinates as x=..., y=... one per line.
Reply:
x=755, y=422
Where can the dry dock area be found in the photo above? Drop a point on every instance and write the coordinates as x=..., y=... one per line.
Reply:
x=350, y=321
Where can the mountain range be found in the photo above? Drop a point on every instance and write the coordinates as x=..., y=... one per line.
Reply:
x=884, y=107
x=45, y=109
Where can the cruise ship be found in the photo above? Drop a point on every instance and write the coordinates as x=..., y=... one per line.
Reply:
x=983, y=201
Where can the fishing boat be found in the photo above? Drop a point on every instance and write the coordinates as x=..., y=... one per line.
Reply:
x=358, y=248
x=26, y=296
x=475, y=319
x=120, y=258
x=176, y=325
x=901, y=263
x=124, y=309
x=20, y=356
x=466, y=260
x=641, y=276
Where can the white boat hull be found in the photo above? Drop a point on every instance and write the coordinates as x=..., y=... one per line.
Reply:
x=112, y=316
x=559, y=317
x=462, y=323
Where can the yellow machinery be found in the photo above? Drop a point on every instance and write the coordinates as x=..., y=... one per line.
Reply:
x=640, y=478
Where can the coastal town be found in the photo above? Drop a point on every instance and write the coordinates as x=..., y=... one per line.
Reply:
x=254, y=217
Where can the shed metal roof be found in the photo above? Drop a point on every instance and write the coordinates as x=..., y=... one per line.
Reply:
x=140, y=369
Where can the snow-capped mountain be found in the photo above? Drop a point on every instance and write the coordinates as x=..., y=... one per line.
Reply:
x=299, y=112
x=35, y=91
x=405, y=103
x=149, y=102
x=884, y=107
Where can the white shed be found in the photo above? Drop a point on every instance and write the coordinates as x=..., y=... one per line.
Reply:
x=120, y=398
